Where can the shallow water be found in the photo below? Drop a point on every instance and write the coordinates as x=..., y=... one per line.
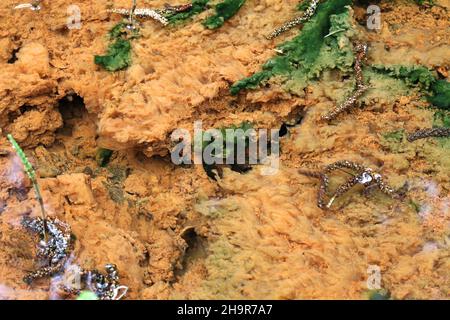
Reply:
x=174, y=232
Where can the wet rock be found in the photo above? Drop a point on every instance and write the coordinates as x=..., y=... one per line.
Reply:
x=77, y=188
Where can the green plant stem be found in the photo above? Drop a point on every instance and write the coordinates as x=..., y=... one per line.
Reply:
x=32, y=175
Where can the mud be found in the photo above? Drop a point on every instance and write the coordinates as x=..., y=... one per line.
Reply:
x=173, y=232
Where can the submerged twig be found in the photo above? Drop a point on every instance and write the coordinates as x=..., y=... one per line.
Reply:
x=55, y=250
x=179, y=8
x=34, y=5
x=347, y=104
x=32, y=175
x=334, y=32
x=363, y=175
x=428, y=133
x=143, y=13
x=132, y=24
x=361, y=55
x=296, y=21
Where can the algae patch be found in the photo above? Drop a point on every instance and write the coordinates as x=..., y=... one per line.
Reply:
x=118, y=55
x=114, y=183
x=224, y=147
x=198, y=6
x=441, y=94
x=224, y=11
x=231, y=137
x=394, y=136
x=103, y=156
x=424, y=79
x=323, y=44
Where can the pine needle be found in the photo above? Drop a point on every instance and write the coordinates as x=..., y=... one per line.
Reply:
x=28, y=167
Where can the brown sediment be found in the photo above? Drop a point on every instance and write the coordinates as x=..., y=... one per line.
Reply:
x=256, y=236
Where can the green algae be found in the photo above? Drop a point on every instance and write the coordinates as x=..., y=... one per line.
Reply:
x=224, y=11
x=394, y=136
x=412, y=75
x=198, y=6
x=118, y=55
x=441, y=119
x=231, y=139
x=396, y=142
x=103, y=156
x=118, y=31
x=307, y=55
x=302, y=6
x=436, y=91
x=441, y=94
x=384, y=86
x=222, y=145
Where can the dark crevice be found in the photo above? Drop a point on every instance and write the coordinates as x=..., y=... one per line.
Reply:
x=13, y=58
x=145, y=261
x=12, y=116
x=71, y=107
x=283, y=130
x=25, y=108
x=21, y=194
x=295, y=119
x=366, y=3
x=196, y=250
x=68, y=200
x=240, y=168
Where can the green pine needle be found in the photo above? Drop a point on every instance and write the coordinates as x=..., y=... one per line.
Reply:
x=31, y=174
x=23, y=158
